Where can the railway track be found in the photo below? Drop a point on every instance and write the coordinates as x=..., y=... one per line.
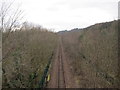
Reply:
x=61, y=75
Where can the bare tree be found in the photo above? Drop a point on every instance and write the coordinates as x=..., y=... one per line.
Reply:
x=9, y=19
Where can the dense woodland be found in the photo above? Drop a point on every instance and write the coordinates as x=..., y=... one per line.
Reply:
x=25, y=55
x=93, y=53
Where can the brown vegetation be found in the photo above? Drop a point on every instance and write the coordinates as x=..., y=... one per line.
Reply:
x=25, y=56
x=93, y=54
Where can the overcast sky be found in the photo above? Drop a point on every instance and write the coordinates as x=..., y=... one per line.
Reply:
x=69, y=14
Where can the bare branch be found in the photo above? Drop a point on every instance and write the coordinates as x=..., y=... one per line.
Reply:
x=8, y=21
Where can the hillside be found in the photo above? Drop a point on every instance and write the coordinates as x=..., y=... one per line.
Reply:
x=93, y=53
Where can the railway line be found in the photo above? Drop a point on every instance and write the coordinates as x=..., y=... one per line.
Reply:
x=60, y=73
